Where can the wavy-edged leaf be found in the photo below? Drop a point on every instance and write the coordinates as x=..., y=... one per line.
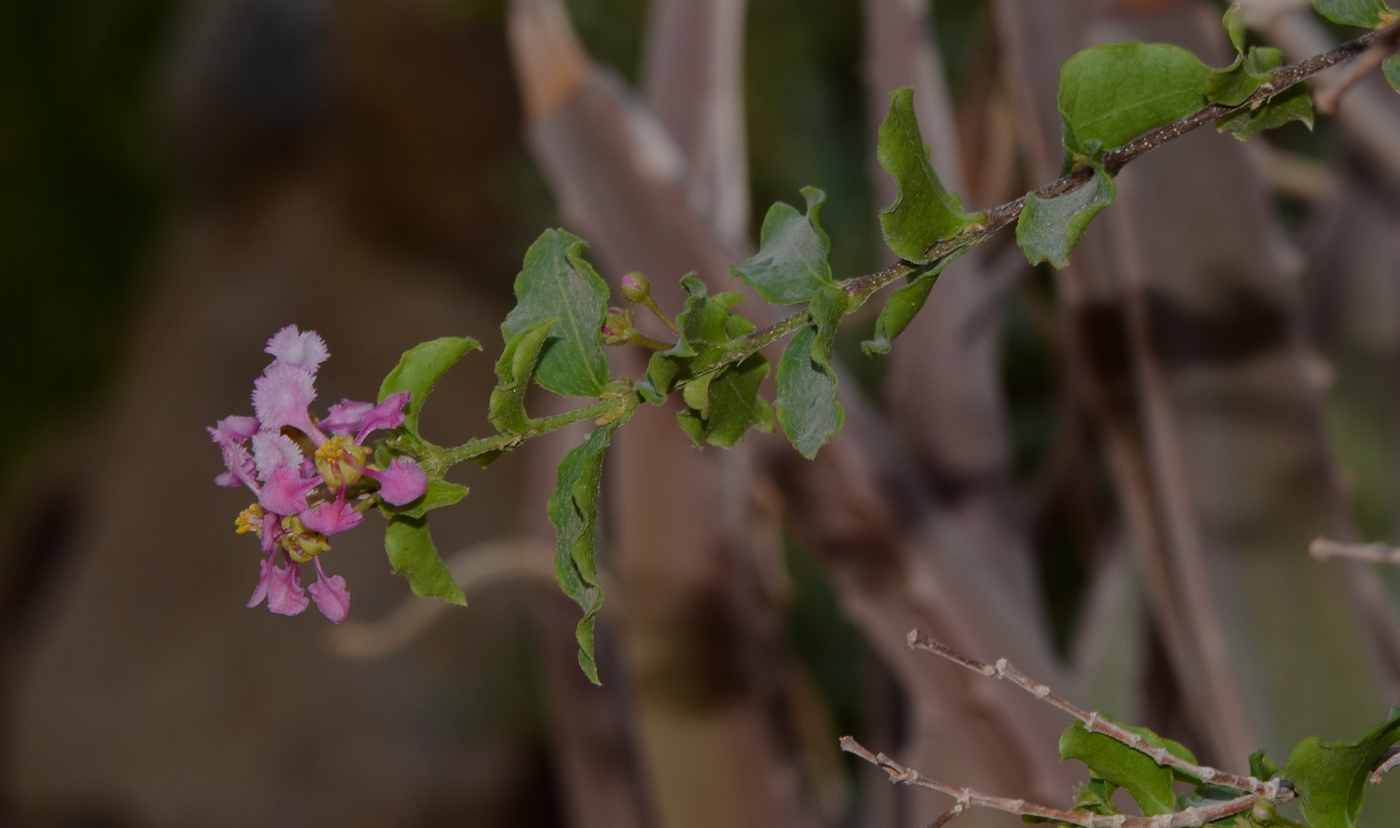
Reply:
x=1370, y=13
x=1330, y=777
x=1243, y=78
x=413, y=555
x=513, y=372
x=904, y=304
x=723, y=408
x=556, y=283
x=440, y=493
x=419, y=369
x=1050, y=228
x=791, y=263
x=707, y=328
x=1149, y=783
x=1292, y=104
x=1261, y=766
x=923, y=213
x=1112, y=93
x=1233, y=21
x=807, y=408
x=573, y=509
x=1390, y=67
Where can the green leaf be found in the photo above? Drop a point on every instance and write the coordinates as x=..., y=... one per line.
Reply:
x=1243, y=78
x=556, y=283
x=826, y=310
x=1050, y=228
x=440, y=493
x=807, y=406
x=1149, y=783
x=1112, y=93
x=413, y=555
x=1096, y=798
x=904, y=304
x=1261, y=766
x=1330, y=778
x=707, y=329
x=513, y=372
x=791, y=263
x=573, y=509
x=1370, y=13
x=923, y=213
x=723, y=408
x=419, y=369
x=1390, y=67
x=1292, y=104
x=1233, y=21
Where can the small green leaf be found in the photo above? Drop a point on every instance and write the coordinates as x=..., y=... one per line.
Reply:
x=1233, y=21
x=1234, y=85
x=573, y=509
x=791, y=263
x=1261, y=766
x=1149, y=783
x=724, y=407
x=440, y=493
x=1292, y=104
x=904, y=304
x=924, y=213
x=513, y=372
x=707, y=329
x=1330, y=778
x=1112, y=93
x=1096, y=798
x=556, y=283
x=807, y=406
x=1050, y=228
x=826, y=310
x=419, y=369
x=1390, y=67
x=413, y=555
x=1370, y=13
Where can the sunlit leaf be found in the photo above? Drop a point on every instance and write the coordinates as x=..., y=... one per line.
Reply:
x=791, y=263
x=1050, y=228
x=420, y=368
x=1330, y=778
x=413, y=555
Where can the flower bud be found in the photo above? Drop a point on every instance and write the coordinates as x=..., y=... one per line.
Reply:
x=617, y=326
x=636, y=287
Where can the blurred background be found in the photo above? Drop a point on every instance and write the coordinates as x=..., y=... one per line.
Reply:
x=1109, y=474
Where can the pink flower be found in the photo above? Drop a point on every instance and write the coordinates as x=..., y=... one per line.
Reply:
x=292, y=347
x=330, y=595
x=403, y=482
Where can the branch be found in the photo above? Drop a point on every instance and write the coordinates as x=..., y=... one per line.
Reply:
x=1094, y=723
x=967, y=797
x=1324, y=549
x=1328, y=99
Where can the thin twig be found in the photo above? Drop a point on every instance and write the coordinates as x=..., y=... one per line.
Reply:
x=1094, y=723
x=1328, y=99
x=967, y=797
x=1325, y=549
x=1389, y=760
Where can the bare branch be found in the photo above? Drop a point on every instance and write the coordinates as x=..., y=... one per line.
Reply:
x=967, y=797
x=1389, y=760
x=1325, y=549
x=1094, y=723
x=1329, y=98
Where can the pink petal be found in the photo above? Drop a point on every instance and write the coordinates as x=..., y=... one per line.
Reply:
x=330, y=595
x=402, y=482
x=284, y=493
x=239, y=428
x=281, y=398
x=284, y=593
x=346, y=416
x=388, y=414
x=265, y=577
x=236, y=459
x=305, y=350
x=332, y=518
x=272, y=451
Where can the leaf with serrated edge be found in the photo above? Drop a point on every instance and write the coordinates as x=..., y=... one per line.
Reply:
x=440, y=493
x=573, y=509
x=1050, y=228
x=1330, y=778
x=1112, y=93
x=413, y=555
x=513, y=372
x=807, y=406
x=420, y=368
x=791, y=262
x=1292, y=104
x=923, y=213
x=556, y=283
x=1149, y=783
x=1371, y=13
x=1390, y=67
x=904, y=304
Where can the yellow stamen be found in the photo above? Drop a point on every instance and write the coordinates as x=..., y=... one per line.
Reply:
x=249, y=520
x=340, y=461
x=302, y=543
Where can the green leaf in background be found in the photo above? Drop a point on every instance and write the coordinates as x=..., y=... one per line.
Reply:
x=791, y=263
x=573, y=509
x=923, y=213
x=904, y=304
x=440, y=493
x=1330, y=778
x=513, y=372
x=807, y=406
x=1149, y=783
x=556, y=283
x=1112, y=93
x=1370, y=13
x=420, y=368
x=1292, y=104
x=1390, y=67
x=1234, y=85
x=1233, y=21
x=1050, y=228
x=723, y=408
x=707, y=327
x=413, y=555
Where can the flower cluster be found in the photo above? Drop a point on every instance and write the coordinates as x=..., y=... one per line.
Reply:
x=313, y=478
